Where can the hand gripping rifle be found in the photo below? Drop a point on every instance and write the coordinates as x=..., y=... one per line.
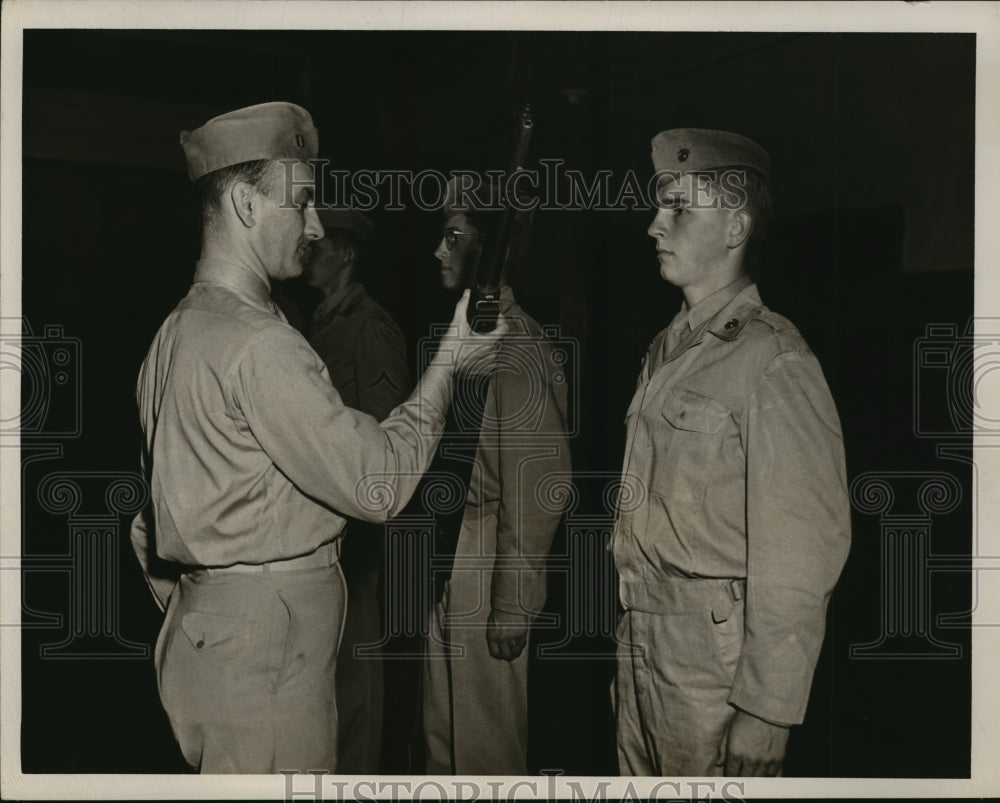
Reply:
x=484, y=305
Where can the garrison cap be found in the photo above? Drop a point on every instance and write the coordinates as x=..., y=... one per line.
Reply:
x=271, y=131
x=343, y=217
x=693, y=149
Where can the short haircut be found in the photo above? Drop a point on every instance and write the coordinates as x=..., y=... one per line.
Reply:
x=752, y=185
x=339, y=237
x=211, y=188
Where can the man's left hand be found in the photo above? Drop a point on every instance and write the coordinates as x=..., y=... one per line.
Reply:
x=753, y=746
x=506, y=634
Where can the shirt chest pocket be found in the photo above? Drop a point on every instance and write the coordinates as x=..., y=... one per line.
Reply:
x=695, y=427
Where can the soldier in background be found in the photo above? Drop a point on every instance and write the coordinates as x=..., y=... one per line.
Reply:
x=364, y=351
x=475, y=704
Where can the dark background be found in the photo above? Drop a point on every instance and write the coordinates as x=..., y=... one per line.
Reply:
x=872, y=138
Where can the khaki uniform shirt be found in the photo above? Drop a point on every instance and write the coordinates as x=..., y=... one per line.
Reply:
x=523, y=440
x=735, y=441
x=363, y=349
x=250, y=452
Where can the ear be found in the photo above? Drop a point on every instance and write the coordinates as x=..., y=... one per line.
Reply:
x=740, y=226
x=244, y=201
x=348, y=255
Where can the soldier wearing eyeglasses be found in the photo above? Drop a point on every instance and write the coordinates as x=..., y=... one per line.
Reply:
x=475, y=674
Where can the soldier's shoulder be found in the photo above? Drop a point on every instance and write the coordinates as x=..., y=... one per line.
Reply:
x=767, y=329
x=375, y=321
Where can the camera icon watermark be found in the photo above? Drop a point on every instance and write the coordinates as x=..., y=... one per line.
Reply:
x=956, y=380
x=49, y=369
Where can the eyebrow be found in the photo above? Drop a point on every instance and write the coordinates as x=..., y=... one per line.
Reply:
x=674, y=197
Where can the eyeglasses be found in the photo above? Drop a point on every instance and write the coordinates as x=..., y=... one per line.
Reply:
x=451, y=237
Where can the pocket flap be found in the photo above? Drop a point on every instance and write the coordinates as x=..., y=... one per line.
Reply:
x=210, y=629
x=692, y=411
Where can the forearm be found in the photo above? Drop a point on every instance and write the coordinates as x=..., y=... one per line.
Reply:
x=335, y=454
x=161, y=584
x=413, y=430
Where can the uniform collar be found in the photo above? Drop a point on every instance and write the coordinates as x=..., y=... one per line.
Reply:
x=341, y=300
x=713, y=303
x=734, y=316
x=236, y=277
x=724, y=313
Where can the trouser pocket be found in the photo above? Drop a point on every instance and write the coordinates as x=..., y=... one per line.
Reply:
x=280, y=648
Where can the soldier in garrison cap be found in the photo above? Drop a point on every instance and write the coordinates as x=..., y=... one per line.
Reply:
x=254, y=461
x=475, y=690
x=365, y=352
x=728, y=561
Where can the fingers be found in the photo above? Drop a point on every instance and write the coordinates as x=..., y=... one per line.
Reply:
x=722, y=752
x=505, y=648
x=744, y=766
x=494, y=646
x=772, y=769
x=734, y=766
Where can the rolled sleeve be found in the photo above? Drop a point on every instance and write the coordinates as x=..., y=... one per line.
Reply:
x=798, y=535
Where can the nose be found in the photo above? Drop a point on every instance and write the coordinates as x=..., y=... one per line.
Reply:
x=442, y=251
x=313, y=228
x=658, y=226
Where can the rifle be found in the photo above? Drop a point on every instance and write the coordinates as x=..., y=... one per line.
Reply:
x=484, y=304
x=457, y=450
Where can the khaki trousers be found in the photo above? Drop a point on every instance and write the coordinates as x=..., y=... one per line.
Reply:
x=676, y=668
x=475, y=706
x=245, y=666
x=360, y=677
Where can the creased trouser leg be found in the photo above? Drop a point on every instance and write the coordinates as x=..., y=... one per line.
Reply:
x=673, y=709
x=246, y=668
x=359, y=678
x=481, y=727
x=437, y=698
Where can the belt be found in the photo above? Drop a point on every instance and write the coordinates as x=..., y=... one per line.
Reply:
x=685, y=595
x=327, y=555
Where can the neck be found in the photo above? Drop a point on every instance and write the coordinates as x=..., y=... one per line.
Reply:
x=693, y=296
x=724, y=275
x=223, y=247
x=340, y=282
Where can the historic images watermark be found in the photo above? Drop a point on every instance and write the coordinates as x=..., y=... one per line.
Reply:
x=550, y=187
x=317, y=785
